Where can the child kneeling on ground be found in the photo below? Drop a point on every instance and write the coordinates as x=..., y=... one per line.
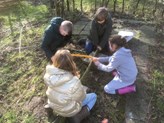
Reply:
x=124, y=64
x=66, y=94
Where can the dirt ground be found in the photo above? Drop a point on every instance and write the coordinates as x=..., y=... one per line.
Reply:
x=113, y=107
x=107, y=106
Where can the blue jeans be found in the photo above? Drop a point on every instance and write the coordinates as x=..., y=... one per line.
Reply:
x=90, y=100
x=88, y=47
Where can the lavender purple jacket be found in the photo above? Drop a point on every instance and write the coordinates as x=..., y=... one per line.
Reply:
x=123, y=62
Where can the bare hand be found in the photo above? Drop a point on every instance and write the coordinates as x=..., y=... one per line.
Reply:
x=94, y=59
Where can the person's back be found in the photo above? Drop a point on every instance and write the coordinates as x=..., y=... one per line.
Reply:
x=66, y=95
x=63, y=87
x=126, y=70
x=56, y=35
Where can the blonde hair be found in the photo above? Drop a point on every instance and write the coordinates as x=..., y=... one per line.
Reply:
x=63, y=60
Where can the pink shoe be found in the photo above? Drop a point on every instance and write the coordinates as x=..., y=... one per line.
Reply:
x=128, y=89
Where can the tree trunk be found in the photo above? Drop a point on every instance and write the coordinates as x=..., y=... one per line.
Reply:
x=57, y=7
x=107, y=2
x=143, y=9
x=81, y=5
x=155, y=7
x=114, y=5
x=136, y=7
x=162, y=14
x=95, y=4
x=68, y=8
x=52, y=4
x=55, y=2
x=73, y=2
x=102, y=3
x=62, y=8
x=123, y=5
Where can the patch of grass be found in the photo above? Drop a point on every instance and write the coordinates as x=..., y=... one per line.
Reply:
x=158, y=93
x=24, y=10
x=9, y=117
x=157, y=82
x=28, y=119
x=24, y=13
x=12, y=116
x=22, y=79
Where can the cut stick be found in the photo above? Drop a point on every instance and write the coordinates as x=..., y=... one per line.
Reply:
x=80, y=55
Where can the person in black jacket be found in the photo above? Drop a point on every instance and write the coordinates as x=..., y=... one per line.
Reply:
x=57, y=35
x=100, y=31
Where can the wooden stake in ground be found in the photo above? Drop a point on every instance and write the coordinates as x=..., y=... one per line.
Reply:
x=88, y=68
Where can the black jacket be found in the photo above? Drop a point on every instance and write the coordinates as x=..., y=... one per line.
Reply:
x=52, y=39
x=99, y=33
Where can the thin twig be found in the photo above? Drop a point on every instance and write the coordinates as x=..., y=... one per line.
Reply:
x=148, y=110
x=20, y=39
x=88, y=68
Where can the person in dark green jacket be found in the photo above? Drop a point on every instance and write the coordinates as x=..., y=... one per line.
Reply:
x=100, y=31
x=57, y=35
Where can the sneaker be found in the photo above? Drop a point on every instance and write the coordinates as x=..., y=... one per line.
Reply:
x=86, y=60
x=92, y=53
x=46, y=106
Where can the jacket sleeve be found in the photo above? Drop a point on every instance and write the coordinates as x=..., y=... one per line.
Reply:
x=106, y=34
x=104, y=59
x=113, y=64
x=47, y=39
x=93, y=33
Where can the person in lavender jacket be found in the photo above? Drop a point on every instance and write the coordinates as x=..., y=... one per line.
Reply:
x=121, y=61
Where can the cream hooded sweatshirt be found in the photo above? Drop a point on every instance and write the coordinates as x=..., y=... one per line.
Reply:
x=65, y=91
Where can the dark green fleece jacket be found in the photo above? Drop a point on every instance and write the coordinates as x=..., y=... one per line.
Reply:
x=99, y=33
x=52, y=38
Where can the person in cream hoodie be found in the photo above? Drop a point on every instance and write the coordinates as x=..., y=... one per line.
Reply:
x=66, y=95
